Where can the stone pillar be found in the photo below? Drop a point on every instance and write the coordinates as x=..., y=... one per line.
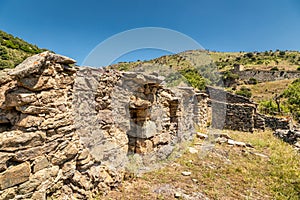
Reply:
x=201, y=110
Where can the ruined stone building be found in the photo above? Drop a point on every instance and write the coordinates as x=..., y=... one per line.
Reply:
x=68, y=131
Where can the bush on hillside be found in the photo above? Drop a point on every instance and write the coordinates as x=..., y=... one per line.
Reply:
x=12, y=42
x=252, y=81
x=5, y=64
x=281, y=53
x=246, y=92
x=271, y=108
x=14, y=50
x=274, y=69
x=292, y=93
x=194, y=78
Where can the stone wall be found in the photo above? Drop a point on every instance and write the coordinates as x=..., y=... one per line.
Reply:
x=265, y=76
x=230, y=111
x=41, y=153
x=201, y=110
x=233, y=116
x=118, y=114
x=219, y=94
x=235, y=112
x=276, y=123
x=67, y=132
x=290, y=136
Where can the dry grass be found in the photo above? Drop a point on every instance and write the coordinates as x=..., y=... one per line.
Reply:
x=225, y=172
x=267, y=90
x=290, y=61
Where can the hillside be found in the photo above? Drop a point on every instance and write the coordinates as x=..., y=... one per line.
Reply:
x=214, y=66
x=14, y=50
x=283, y=60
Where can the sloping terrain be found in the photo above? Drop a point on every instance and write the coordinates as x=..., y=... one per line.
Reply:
x=283, y=60
x=14, y=50
x=267, y=169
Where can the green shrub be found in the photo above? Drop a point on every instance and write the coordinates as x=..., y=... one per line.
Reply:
x=249, y=55
x=292, y=93
x=298, y=68
x=269, y=107
x=174, y=79
x=124, y=67
x=274, y=69
x=10, y=44
x=194, y=78
x=246, y=92
x=252, y=81
x=281, y=53
x=5, y=64
x=228, y=75
x=4, y=57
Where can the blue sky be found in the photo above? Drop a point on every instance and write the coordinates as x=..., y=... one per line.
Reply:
x=74, y=28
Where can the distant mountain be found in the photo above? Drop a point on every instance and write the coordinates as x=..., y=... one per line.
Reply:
x=14, y=50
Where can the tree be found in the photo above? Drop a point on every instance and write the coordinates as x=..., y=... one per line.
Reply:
x=277, y=101
x=281, y=53
x=292, y=93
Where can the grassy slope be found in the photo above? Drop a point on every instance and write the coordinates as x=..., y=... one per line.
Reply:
x=283, y=60
x=267, y=90
x=225, y=172
x=14, y=50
